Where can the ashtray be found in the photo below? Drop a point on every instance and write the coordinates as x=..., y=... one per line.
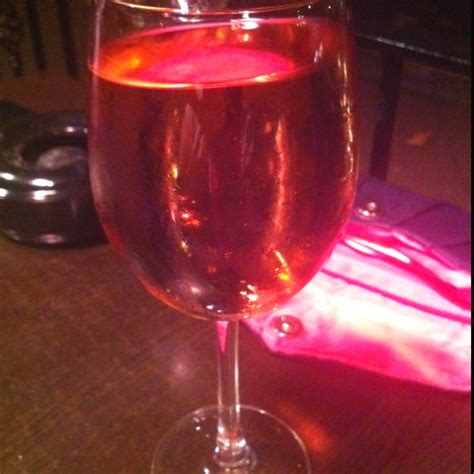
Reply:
x=45, y=195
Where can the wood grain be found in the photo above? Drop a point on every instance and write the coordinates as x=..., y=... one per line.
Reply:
x=93, y=371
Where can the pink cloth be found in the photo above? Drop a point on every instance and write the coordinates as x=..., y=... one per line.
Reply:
x=387, y=303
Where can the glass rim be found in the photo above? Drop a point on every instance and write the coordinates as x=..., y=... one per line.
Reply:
x=145, y=6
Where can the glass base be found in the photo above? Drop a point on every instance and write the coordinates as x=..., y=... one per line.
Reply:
x=188, y=447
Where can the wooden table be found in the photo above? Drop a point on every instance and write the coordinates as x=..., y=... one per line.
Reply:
x=93, y=371
x=47, y=91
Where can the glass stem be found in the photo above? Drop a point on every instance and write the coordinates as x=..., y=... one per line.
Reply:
x=232, y=451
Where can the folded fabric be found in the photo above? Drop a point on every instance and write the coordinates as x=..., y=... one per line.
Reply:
x=386, y=301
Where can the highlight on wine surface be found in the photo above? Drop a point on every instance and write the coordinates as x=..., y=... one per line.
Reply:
x=223, y=163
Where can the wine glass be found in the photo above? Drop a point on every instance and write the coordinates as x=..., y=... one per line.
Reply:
x=223, y=169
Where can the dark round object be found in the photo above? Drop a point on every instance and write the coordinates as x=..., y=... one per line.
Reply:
x=45, y=195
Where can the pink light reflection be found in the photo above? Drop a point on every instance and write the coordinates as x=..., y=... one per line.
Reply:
x=386, y=303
